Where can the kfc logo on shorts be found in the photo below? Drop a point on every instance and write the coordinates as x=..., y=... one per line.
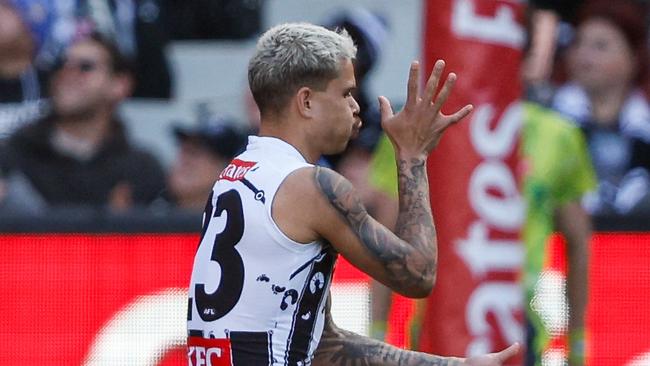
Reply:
x=208, y=352
x=236, y=170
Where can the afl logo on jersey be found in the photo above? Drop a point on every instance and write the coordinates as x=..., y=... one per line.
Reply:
x=236, y=170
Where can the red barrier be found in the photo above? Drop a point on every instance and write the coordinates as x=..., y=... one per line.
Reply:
x=618, y=314
x=121, y=299
x=107, y=299
x=65, y=298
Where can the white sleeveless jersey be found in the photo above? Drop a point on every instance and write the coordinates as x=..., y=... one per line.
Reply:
x=256, y=296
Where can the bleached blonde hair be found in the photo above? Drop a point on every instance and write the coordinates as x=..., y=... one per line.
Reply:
x=292, y=55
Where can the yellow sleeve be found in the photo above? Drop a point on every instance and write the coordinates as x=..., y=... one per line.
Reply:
x=383, y=169
x=578, y=175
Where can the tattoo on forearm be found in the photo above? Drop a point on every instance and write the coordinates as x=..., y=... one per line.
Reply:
x=409, y=260
x=339, y=347
x=415, y=221
x=353, y=349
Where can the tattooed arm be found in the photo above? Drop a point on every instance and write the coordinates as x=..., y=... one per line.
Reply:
x=318, y=203
x=339, y=347
x=406, y=261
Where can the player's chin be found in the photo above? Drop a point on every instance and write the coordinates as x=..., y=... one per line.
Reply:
x=338, y=148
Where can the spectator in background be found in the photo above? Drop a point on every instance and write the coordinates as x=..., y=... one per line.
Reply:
x=23, y=25
x=204, y=151
x=606, y=65
x=556, y=173
x=138, y=29
x=545, y=23
x=79, y=154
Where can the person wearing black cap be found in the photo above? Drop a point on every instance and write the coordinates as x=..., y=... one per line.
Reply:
x=204, y=150
x=369, y=32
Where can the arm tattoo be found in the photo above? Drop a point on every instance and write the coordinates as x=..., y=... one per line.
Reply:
x=415, y=221
x=410, y=257
x=339, y=347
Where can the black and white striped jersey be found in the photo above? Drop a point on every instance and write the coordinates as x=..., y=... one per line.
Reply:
x=257, y=294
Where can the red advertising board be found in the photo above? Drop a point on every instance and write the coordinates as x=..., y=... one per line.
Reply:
x=618, y=314
x=94, y=299
x=109, y=299
x=91, y=299
x=476, y=305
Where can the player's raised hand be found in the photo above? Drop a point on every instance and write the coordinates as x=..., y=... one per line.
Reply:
x=494, y=359
x=418, y=127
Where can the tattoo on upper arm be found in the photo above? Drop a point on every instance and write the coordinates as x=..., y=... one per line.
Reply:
x=340, y=193
x=408, y=257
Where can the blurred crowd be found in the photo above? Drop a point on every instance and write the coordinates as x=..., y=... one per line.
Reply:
x=590, y=64
x=65, y=67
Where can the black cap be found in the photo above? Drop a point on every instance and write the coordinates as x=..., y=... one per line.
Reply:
x=369, y=31
x=219, y=134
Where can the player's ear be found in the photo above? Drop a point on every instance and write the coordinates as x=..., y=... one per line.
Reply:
x=303, y=102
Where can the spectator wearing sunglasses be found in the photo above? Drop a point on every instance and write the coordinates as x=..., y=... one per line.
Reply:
x=80, y=154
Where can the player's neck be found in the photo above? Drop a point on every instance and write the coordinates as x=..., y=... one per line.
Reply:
x=293, y=137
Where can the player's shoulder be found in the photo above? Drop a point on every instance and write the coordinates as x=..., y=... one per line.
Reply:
x=298, y=184
x=300, y=208
x=312, y=178
x=318, y=186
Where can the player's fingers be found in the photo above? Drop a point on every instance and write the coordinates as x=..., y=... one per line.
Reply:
x=462, y=113
x=444, y=93
x=509, y=352
x=434, y=78
x=385, y=108
x=412, y=93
